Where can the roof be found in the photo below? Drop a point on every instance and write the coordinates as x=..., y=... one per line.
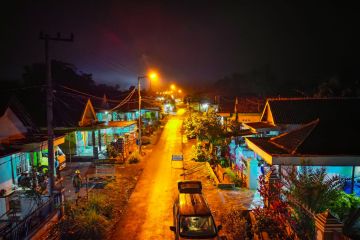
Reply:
x=118, y=124
x=315, y=138
x=193, y=204
x=244, y=105
x=67, y=109
x=250, y=105
x=7, y=149
x=326, y=126
x=266, y=145
x=292, y=141
x=226, y=105
x=305, y=110
x=12, y=102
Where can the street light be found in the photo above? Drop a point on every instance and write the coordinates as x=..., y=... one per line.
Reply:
x=151, y=76
x=172, y=87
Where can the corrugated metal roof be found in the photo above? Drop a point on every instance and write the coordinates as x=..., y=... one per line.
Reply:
x=305, y=110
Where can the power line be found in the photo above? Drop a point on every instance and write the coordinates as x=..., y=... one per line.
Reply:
x=125, y=100
x=22, y=88
x=89, y=95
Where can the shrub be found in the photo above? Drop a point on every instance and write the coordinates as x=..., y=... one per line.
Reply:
x=100, y=205
x=344, y=204
x=89, y=220
x=239, y=182
x=237, y=225
x=93, y=225
x=200, y=154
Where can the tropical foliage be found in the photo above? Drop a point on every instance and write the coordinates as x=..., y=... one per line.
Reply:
x=313, y=187
x=237, y=224
x=275, y=213
x=89, y=220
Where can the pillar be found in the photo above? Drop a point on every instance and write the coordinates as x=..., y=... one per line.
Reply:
x=95, y=149
x=327, y=227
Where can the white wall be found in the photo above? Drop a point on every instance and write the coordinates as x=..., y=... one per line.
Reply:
x=10, y=125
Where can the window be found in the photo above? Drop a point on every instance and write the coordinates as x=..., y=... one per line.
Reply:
x=21, y=164
x=196, y=226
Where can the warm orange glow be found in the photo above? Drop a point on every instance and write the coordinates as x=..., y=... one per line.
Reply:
x=179, y=91
x=172, y=87
x=153, y=75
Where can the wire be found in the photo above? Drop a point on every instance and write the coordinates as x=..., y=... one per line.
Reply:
x=21, y=88
x=88, y=94
x=125, y=100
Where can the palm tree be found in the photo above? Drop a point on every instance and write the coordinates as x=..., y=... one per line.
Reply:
x=313, y=187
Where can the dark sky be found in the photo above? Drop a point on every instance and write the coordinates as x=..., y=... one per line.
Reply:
x=189, y=42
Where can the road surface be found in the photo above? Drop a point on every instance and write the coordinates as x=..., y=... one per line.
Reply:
x=149, y=212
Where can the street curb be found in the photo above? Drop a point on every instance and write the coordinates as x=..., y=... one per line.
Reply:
x=212, y=174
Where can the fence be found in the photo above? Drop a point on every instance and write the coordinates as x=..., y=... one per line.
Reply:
x=23, y=229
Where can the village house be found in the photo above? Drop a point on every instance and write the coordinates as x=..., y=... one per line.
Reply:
x=21, y=157
x=240, y=109
x=316, y=132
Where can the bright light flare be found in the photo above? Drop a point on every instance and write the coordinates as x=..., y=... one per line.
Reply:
x=153, y=75
x=172, y=87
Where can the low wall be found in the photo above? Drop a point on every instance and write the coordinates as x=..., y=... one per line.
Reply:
x=217, y=176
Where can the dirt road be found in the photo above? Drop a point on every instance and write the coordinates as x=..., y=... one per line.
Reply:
x=149, y=212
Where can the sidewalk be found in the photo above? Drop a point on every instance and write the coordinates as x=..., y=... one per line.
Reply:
x=67, y=174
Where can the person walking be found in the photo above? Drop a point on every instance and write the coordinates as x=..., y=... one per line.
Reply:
x=77, y=182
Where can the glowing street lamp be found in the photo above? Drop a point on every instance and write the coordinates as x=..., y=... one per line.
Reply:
x=172, y=87
x=150, y=76
x=179, y=91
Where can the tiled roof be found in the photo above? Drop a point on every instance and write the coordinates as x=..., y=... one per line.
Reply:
x=305, y=110
x=226, y=106
x=244, y=105
x=266, y=145
x=250, y=105
x=292, y=140
x=315, y=138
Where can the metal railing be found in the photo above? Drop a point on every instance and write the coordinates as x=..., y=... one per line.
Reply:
x=23, y=229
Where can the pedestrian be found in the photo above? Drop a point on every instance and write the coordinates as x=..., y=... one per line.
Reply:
x=77, y=182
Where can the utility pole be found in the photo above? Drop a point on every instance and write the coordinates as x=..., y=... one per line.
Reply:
x=139, y=114
x=49, y=106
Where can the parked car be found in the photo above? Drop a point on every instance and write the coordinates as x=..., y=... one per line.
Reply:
x=192, y=215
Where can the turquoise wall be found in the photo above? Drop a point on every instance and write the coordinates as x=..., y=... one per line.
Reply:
x=5, y=169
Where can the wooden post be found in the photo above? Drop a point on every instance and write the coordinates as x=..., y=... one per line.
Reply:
x=327, y=227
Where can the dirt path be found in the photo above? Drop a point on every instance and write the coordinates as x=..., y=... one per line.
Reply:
x=149, y=211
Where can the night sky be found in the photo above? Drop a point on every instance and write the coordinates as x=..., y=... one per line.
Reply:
x=189, y=42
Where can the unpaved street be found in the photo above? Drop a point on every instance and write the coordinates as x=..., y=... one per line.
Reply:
x=149, y=212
